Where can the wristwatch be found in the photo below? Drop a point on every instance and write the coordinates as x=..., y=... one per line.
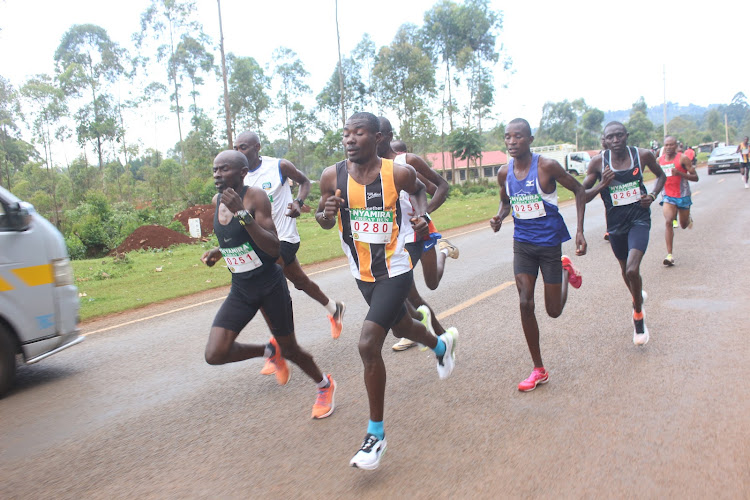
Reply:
x=426, y=217
x=300, y=202
x=243, y=217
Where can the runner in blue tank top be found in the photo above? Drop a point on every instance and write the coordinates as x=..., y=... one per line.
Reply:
x=528, y=188
x=619, y=168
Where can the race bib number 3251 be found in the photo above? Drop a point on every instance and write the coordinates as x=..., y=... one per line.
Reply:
x=371, y=226
x=625, y=194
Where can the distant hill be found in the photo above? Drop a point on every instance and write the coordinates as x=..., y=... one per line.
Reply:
x=656, y=113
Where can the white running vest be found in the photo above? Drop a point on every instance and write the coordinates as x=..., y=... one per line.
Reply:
x=268, y=177
x=406, y=207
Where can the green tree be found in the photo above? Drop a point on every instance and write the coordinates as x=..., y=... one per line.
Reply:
x=405, y=79
x=466, y=144
x=591, y=129
x=639, y=126
x=190, y=57
x=366, y=55
x=355, y=91
x=13, y=151
x=248, y=97
x=291, y=74
x=87, y=60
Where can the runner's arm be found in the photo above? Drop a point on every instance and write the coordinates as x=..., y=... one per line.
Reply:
x=557, y=173
x=593, y=173
x=330, y=199
x=288, y=170
x=687, y=164
x=441, y=185
x=503, y=209
x=261, y=227
x=648, y=159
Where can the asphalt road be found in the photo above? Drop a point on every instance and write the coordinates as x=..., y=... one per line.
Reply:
x=135, y=412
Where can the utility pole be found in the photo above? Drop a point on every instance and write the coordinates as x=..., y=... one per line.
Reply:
x=726, y=130
x=341, y=69
x=664, y=72
x=224, y=75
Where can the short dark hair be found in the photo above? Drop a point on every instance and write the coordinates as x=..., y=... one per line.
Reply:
x=372, y=124
x=612, y=124
x=521, y=121
x=385, y=125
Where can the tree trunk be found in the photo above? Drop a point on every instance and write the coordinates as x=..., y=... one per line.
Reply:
x=173, y=70
x=227, y=112
x=341, y=69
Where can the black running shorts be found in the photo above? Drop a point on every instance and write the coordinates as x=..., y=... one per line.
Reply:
x=267, y=290
x=529, y=258
x=288, y=251
x=386, y=298
x=636, y=237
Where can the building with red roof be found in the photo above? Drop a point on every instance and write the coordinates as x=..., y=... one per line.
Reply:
x=485, y=167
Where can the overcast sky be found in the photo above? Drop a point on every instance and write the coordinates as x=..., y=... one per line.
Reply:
x=608, y=53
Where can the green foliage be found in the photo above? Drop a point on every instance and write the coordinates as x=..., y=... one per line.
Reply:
x=639, y=126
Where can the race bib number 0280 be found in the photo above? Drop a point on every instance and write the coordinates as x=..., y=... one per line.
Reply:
x=371, y=226
x=527, y=206
x=625, y=194
x=241, y=259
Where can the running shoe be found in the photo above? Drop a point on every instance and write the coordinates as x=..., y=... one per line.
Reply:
x=675, y=223
x=574, y=277
x=337, y=320
x=283, y=373
x=690, y=224
x=444, y=244
x=669, y=260
x=640, y=331
x=403, y=344
x=746, y=186
x=369, y=455
x=606, y=236
x=538, y=376
x=325, y=403
x=447, y=361
x=426, y=318
x=268, y=368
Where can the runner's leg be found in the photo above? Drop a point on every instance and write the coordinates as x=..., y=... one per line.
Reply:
x=670, y=212
x=525, y=284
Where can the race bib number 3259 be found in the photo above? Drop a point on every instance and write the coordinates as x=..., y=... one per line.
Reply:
x=625, y=194
x=371, y=226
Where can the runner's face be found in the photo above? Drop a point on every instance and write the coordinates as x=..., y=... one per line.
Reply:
x=359, y=142
x=249, y=148
x=227, y=174
x=517, y=140
x=670, y=147
x=615, y=138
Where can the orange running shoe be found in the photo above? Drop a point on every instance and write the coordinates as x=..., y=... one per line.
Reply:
x=574, y=277
x=283, y=373
x=325, y=404
x=337, y=320
x=268, y=368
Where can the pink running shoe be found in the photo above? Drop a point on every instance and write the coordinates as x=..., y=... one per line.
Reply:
x=538, y=376
x=574, y=277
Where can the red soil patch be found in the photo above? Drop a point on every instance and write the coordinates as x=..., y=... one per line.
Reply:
x=203, y=212
x=152, y=236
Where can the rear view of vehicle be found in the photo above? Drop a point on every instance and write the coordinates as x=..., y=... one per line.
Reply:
x=38, y=300
x=723, y=158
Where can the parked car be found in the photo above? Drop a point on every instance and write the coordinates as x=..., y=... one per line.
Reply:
x=723, y=158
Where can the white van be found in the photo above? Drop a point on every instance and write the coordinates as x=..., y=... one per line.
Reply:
x=38, y=300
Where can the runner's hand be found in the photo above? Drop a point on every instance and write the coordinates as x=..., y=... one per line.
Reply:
x=231, y=200
x=495, y=223
x=294, y=210
x=421, y=228
x=607, y=176
x=211, y=257
x=646, y=200
x=333, y=203
x=580, y=244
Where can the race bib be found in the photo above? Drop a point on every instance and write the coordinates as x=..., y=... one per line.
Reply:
x=241, y=259
x=625, y=194
x=371, y=225
x=668, y=171
x=527, y=206
x=745, y=151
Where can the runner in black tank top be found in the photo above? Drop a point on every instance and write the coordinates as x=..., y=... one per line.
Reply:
x=250, y=247
x=619, y=170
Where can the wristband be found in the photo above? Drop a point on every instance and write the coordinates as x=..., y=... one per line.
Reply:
x=653, y=196
x=426, y=217
x=300, y=202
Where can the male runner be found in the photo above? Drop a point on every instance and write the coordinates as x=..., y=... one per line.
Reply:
x=399, y=146
x=363, y=193
x=250, y=247
x=744, y=150
x=528, y=188
x=619, y=170
x=433, y=262
x=675, y=198
x=271, y=175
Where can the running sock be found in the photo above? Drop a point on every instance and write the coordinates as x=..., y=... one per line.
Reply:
x=440, y=347
x=444, y=251
x=637, y=315
x=376, y=429
x=330, y=307
x=323, y=384
x=269, y=351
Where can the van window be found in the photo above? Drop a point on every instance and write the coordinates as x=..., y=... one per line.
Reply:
x=3, y=217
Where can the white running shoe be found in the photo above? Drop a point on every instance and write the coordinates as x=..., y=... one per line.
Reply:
x=644, y=296
x=369, y=455
x=426, y=318
x=447, y=361
x=640, y=338
x=403, y=344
